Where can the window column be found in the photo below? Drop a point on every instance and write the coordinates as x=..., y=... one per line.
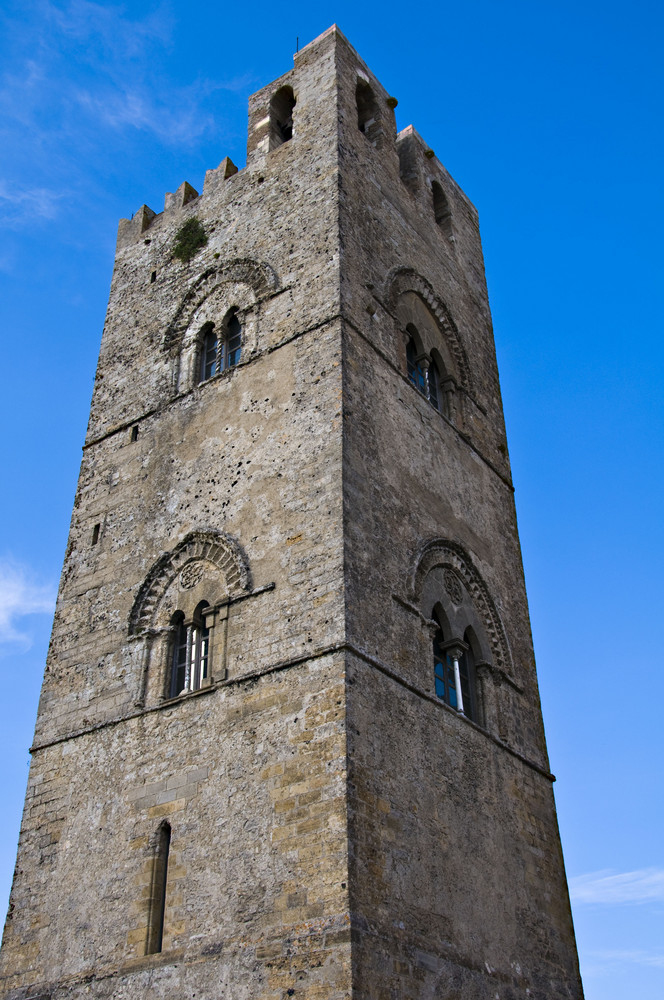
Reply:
x=455, y=650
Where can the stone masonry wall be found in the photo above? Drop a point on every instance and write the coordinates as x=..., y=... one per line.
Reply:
x=457, y=882
x=251, y=778
x=250, y=771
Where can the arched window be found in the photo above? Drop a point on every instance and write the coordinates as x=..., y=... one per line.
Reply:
x=441, y=209
x=443, y=672
x=281, y=116
x=368, y=115
x=423, y=371
x=220, y=350
x=454, y=674
x=190, y=658
x=416, y=372
x=209, y=352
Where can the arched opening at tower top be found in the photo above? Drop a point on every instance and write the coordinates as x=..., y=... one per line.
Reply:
x=441, y=209
x=368, y=112
x=281, y=116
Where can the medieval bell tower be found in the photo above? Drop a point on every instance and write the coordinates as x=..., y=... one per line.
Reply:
x=289, y=741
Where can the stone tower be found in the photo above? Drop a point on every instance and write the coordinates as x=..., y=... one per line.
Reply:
x=289, y=740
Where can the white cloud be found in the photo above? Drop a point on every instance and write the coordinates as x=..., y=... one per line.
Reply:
x=21, y=594
x=646, y=885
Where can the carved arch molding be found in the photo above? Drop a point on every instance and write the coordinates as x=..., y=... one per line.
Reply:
x=260, y=277
x=404, y=280
x=450, y=555
x=198, y=548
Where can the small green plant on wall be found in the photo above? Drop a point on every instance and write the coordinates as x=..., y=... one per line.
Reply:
x=189, y=239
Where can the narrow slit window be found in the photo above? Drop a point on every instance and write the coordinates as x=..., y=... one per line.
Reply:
x=95, y=533
x=157, y=909
x=134, y=433
x=153, y=277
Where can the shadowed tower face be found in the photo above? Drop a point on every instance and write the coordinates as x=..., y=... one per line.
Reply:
x=289, y=741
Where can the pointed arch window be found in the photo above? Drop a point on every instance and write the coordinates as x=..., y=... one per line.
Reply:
x=220, y=349
x=190, y=659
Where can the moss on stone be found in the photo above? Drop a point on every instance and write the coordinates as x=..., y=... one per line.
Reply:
x=189, y=239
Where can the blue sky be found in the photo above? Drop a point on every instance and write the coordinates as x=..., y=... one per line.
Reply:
x=549, y=116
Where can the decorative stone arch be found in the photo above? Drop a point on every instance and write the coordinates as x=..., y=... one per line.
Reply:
x=406, y=279
x=452, y=557
x=206, y=570
x=260, y=277
x=241, y=283
x=201, y=547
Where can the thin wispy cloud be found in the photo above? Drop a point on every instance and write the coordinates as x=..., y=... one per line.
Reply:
x=645, y=885
x=79, y=78
x=602, y=961
x=137, y=109
x=21, y=595
x=17, y=206
x=86, y=21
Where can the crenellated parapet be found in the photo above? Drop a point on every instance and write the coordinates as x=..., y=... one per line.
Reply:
x=130, y=230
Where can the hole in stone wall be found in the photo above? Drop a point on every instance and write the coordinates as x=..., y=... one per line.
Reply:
x=95, y=533
x=153, y=277
x=134, y=433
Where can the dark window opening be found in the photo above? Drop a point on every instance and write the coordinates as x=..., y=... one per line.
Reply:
x=134, y=433
x=281, y=116
x=157, y=906
x=153, y=277
x=95, y=533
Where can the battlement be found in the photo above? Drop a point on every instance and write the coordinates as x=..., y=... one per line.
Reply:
x=280, y=112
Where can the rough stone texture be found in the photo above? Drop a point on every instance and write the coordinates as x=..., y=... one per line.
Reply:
x=337, y=830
